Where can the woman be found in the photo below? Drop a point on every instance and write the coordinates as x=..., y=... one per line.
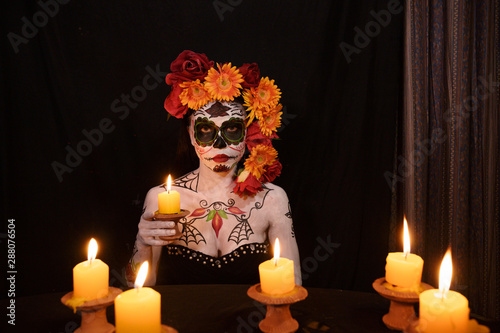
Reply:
x=234, y=214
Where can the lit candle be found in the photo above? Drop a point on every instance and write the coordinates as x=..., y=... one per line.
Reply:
x=91, y=277
x=404, y=269
x=138, y=310
x=169, y=202
x=277, y=275
x=443, y=310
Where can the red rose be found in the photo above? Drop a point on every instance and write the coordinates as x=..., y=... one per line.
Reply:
x=255, y=136
x=173, y=103
x=188, y=66
x=251, y=75
x=249, y=187
x=272, y=172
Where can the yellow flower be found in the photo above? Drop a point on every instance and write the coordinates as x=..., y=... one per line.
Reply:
x=224, y=84
x=269, y=121
x=194, y=94
x=260, y=157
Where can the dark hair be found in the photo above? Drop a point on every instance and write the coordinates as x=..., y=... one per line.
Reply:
x=186, y=159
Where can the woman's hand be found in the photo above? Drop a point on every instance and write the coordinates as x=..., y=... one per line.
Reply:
x=150, y=230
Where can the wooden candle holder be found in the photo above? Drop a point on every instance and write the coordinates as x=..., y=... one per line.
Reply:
x=278, y=317
x=174, y=218
x=94, y=312
x=401, y=311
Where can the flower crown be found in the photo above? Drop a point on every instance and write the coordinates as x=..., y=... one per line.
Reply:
x=196, y=81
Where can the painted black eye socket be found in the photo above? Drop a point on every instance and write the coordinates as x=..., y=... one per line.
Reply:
x=206, y=132
x=234, y=131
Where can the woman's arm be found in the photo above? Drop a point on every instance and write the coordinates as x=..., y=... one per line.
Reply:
x=281, y=227
x=147, y=244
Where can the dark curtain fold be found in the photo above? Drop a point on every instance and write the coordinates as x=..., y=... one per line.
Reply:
x=451, y=143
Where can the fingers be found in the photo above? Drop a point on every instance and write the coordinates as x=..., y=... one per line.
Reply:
x=148, y=215
x=158, y=242
x=156, y=225
x=156, y=232
x=150, y=230
x=152, y=240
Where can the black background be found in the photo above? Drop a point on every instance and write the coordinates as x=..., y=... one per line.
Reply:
x=338, y=137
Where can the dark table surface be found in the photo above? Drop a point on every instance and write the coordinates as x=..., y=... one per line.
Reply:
x=219, y=309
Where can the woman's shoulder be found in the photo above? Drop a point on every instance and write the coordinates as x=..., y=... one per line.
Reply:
x=274, y=188
x=274, y=192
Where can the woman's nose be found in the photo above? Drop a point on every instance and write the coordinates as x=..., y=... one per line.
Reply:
x=220, y=143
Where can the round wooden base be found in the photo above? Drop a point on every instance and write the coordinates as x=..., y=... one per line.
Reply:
x=401, y=310
x=94, y=312
x=174, y=218
x=278, y=317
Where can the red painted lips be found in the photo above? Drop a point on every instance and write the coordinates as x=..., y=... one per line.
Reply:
x=221, y=158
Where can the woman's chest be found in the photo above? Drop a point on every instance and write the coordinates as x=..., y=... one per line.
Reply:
x=217, y=227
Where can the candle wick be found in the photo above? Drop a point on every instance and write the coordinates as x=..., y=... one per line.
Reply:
x=406, y=255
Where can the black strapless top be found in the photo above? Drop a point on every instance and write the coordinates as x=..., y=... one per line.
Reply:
x=181, y=265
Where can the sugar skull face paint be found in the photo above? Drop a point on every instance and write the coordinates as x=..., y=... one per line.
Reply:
x=206, y=132
x=218, y=133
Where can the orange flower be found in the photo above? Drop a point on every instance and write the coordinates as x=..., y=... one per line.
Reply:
x=224, y=84
x=265, y=96
x=269, y=121
x=260, y=157
x=194, y=94
x=247, y=97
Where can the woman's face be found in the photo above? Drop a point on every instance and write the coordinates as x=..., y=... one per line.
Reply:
x=218, y=133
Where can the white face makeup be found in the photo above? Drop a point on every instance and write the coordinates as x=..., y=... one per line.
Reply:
x=218, y=133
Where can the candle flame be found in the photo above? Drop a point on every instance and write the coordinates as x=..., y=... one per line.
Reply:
x=141, y=275
x=169, y=183
x=92, y=251
x=276, y=251
x=445, y=273
x=406, y=239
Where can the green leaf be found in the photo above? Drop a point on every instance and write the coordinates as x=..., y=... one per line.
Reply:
x=211, y=215
x=222, y=214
